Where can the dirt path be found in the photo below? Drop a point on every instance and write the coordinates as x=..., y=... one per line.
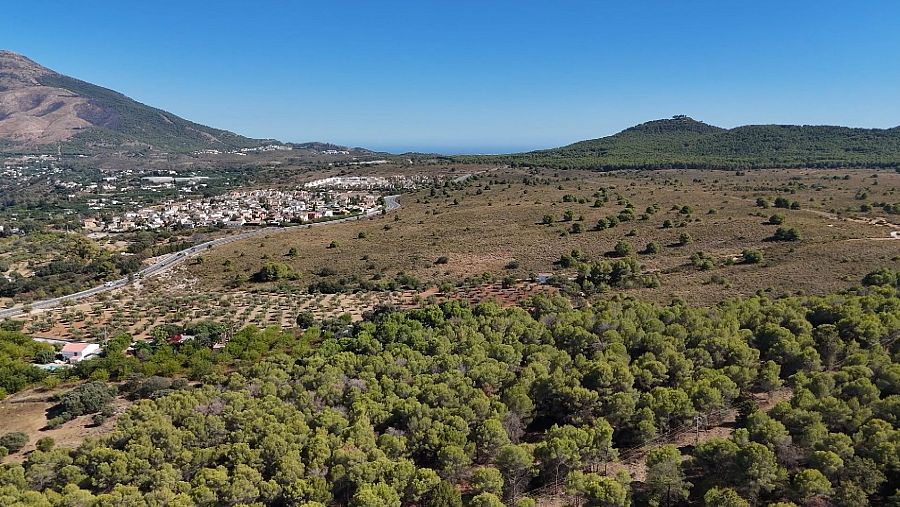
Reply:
x=876, y=221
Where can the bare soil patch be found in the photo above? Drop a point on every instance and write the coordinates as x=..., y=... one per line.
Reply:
x=26, y=411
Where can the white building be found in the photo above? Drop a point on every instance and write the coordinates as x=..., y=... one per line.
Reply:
x=78, y=351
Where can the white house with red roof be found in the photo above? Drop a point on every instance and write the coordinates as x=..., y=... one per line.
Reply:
x=79, y=351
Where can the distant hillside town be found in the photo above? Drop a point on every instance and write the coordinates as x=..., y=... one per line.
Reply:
x=245, y=151
x=394, y=182
x=241, y=208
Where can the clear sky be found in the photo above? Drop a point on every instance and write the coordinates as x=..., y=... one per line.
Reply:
x=475, y=75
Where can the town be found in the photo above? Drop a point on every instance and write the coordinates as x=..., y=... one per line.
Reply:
x=241, y=208
x=392, y=182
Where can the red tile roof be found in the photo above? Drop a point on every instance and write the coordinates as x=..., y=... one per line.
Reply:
x=75, y=347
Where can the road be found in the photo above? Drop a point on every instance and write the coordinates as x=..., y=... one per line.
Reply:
x=169, y=261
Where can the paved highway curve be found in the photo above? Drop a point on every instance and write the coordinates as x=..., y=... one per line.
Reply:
x=168, y=261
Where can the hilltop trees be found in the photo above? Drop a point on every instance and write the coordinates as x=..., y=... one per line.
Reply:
x=680, y=143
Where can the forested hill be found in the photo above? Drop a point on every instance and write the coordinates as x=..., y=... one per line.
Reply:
x=682, y=142
x=494, y=407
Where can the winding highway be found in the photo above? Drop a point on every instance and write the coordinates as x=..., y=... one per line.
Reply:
x=169, y=261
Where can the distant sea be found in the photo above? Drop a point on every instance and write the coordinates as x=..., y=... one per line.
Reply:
x=456, y=150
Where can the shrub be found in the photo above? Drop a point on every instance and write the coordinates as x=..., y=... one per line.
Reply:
x=44, y=356
x=442, y=260
x=776, y=219
x=785, y=234
x=882, y=277
x=86, y=399
x=487, y=480
x=623, y=249
x=45, y=444
x=149, y=387
x=326, y=271
x=702, y=261
x=274, y=271
x=752, y=256
x=14, y=441
x=444, y=495
x=56, y=422
x=12, y=325
x=486, y=500
x=306, y=320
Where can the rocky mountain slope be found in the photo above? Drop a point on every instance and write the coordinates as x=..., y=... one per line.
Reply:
x=40, y=107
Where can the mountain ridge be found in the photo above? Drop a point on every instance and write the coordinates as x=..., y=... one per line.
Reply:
x=40, y=107
x=682, y=142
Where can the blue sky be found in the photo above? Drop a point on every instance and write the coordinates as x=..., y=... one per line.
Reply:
x=475, y=76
